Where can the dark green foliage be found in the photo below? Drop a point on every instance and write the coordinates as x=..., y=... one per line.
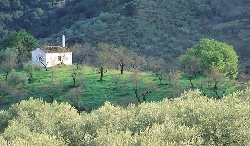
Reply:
x=130, y=9
x=22, y=41
x=36, y=16
x=142, y=27
x=107, y=5
x=4, y=5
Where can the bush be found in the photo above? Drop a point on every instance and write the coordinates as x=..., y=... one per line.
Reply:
x=15, y=78
x=191, y=119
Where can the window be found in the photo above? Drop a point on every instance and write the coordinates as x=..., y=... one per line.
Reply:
x=59, y=58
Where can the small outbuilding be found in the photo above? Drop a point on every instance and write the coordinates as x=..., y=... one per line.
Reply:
x=48, y=56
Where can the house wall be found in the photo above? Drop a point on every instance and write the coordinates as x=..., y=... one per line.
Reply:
x=51, y=59
x=58, y=58
x=38, y=56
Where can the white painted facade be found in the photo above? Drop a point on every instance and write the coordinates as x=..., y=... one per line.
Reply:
x=48, y=56
x=51, y=58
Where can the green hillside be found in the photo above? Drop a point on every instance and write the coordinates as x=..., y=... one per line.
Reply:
x=89, y=93
x=154, y=28
x=163, y=29
x=132, y=81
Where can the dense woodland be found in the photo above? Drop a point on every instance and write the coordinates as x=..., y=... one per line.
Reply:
x=134, y=61
x=159, y=28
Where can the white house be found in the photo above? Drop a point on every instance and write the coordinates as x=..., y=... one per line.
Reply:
x=52, y=55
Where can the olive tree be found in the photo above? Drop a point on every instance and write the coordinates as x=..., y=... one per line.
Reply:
x=104, y=58
x=8, y=60
x=158, y=67
x=77, y=77
x=137, y=62
x=216, y=84
x=212, y=53
x=192, y=68
x=121, y=58
x=16, y=78
x=50, y=89
x=83, y=54
x=136, y=79
x=75, y=98
x=29, y=67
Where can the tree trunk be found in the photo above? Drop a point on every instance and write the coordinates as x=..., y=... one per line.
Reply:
x=144, y=95
x=122, y=67
x=159, y=77
x=190, y=79
x=74, y=80
x=51, y=96
x=6, y=75
x=101, y=72
x=74, y=77
x=137, y=96
x=31, y=77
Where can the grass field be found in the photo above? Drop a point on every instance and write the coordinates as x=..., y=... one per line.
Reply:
x=116, y=88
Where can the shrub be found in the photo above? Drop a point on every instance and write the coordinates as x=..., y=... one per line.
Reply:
x=191, y=119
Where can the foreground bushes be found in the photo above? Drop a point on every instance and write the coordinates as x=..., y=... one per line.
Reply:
x=190, y=119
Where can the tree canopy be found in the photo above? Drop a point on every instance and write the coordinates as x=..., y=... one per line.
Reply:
x=8, y=60
x=23, y=41
x=212, y=53
x=169, y=122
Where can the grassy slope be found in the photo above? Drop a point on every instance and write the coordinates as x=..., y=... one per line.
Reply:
x=95, y=93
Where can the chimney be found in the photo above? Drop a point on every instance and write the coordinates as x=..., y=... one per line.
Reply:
x=63, y=41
